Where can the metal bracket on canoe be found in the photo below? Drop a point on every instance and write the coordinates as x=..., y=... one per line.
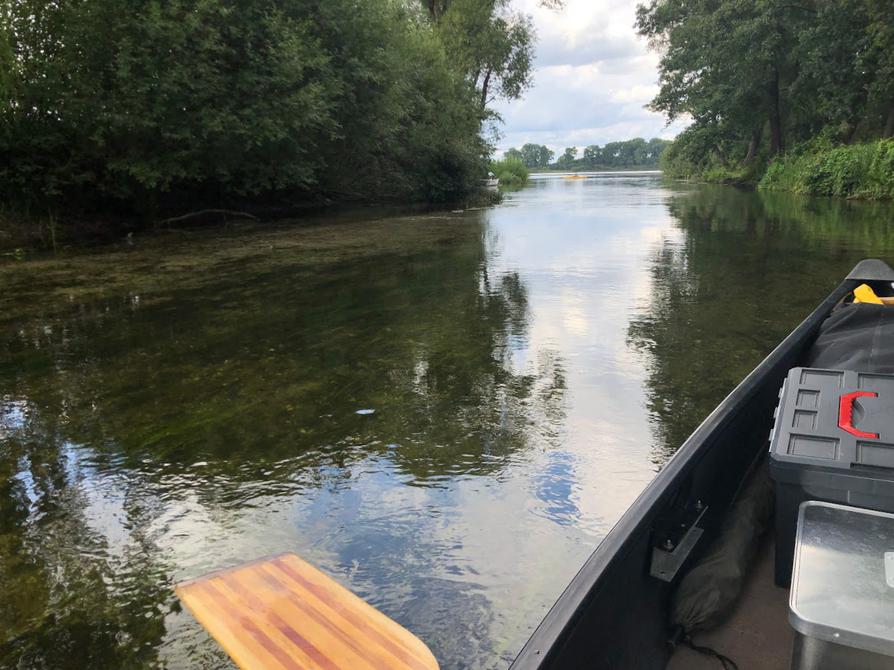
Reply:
x=672, y=550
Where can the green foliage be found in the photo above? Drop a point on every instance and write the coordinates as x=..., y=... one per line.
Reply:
x=203, y=102
x=534, y=155
x=566, y=160
x=759, y=77
x=624, y=154
x=701, y=152
x=879, y=181
x=492, y=46
x=635, y=153
x=855, y=171
x=511, y=172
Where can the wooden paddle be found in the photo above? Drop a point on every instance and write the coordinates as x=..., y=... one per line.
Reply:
x=281, y=612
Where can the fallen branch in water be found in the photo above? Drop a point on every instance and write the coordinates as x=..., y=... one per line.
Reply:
x=204, y=212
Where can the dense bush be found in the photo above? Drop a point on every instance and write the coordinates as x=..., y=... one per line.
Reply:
x=143, y=107
x=511, y=172
x=858, y=170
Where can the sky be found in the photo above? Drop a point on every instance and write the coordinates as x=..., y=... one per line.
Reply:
x=593, y=77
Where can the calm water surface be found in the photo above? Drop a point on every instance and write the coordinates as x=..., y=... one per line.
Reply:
x=444, y=412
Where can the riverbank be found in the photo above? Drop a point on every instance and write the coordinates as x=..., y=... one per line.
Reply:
x=23, y=233
x=862, y=171
x=182, y=109
x=650, y=167
x=514, y=174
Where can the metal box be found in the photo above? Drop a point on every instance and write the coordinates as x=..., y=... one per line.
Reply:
x=841, y=603
x=833, y=440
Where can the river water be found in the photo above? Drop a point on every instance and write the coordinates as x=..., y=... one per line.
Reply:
x=446, y=412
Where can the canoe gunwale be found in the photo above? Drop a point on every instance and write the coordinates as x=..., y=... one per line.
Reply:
x=558, y=627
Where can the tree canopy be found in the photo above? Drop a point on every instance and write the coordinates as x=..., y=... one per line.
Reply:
x=534, y=155
x=492, y=45
x=168, y=104
x=624, y=154
x=762, y=75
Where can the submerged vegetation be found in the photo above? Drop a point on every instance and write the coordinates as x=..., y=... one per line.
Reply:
x=805, y=88
x=276, y=103
x=132, y=383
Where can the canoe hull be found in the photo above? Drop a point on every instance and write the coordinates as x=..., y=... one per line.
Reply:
x=613, y=614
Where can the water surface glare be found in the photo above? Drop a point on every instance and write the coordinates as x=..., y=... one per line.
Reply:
x=445, y=412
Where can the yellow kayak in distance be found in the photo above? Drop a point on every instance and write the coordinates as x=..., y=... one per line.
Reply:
x=574, y=176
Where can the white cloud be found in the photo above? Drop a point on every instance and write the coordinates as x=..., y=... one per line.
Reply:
x=638, y=93
x=593, y=77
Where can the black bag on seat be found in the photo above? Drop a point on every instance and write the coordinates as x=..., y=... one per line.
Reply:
x=857, y=336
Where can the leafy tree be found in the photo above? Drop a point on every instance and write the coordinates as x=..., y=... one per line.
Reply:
x=511, y=172
x=758, y=77
x=593, y=155
x=566, y=160
x=209, y=102
x=492, y=45
x=536, y=155
x=513, y=154
x=437, y=8
x=724, y=62
x=629, y=153
x=656, y=147
x=880, y=54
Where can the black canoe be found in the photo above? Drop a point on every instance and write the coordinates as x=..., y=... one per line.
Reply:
x=613, y=614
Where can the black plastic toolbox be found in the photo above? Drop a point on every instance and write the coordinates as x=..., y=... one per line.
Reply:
x=833, y=440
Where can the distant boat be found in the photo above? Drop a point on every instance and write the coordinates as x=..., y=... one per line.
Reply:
x=574, y=176
x=490, y=182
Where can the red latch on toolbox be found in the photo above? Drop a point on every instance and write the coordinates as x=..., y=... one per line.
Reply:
x=846, y=413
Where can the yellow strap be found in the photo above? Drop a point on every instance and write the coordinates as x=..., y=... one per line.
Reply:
x=863, y=293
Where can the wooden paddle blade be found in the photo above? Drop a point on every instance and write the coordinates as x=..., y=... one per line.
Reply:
x=281, y=612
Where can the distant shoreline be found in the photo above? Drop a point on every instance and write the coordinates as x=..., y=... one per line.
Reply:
x=559, y=173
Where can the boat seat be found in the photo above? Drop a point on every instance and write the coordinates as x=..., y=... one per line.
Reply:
x=281, y=612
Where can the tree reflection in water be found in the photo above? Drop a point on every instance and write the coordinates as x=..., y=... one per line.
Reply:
x=152, y=434
x=749, y=268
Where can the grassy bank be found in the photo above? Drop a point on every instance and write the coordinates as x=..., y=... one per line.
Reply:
x=852, y=171
x=819, y=167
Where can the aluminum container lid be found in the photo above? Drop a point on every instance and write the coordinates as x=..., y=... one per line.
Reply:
x=843, y=582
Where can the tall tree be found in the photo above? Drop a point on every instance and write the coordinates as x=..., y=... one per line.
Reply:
x=753, y=73
x=567, y=157
x=724, y=62
x=593, y=155
x=491, y=44
x=880, y=57
x=536, y=155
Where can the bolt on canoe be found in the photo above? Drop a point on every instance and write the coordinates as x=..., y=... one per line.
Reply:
x=685, y=579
